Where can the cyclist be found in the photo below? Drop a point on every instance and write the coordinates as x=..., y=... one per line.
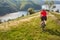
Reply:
x=43, y=15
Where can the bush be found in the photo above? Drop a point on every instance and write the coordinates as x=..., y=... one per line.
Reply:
x=9, y=19
x=57, y=11
x=54, y=6
x=31, y=10
x=0, y=21
x=22, y=15
x=47, y=10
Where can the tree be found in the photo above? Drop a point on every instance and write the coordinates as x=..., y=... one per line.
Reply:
x=46, y=2
x=31, y=10
x=50, y=4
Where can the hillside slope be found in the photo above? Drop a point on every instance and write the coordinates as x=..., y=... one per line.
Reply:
x=10, y=6
x=31, y=30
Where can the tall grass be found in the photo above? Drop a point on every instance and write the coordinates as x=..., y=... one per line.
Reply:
x=31, y=30
x=57, y=15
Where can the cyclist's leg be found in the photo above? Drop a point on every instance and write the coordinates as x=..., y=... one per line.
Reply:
x=45, y=19
x=45, y=22
x=42, y=19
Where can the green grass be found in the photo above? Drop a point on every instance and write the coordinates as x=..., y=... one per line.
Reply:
x=27, y=16
x=31, y=30
x=57, y=15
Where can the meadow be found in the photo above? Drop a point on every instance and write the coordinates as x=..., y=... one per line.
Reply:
x=31, y=30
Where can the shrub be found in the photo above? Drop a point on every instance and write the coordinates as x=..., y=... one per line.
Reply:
x=31, y=10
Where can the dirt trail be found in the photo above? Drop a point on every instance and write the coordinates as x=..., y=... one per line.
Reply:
x=7, y=25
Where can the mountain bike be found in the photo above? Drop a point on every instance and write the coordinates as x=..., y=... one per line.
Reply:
x=43, y=25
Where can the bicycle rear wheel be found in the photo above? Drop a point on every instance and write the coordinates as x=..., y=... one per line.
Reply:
x=43, y=26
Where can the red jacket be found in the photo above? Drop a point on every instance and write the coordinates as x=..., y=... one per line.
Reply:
x=43, y=13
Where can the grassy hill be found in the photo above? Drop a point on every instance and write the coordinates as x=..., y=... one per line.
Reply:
x=56, y=14
x=31, y=30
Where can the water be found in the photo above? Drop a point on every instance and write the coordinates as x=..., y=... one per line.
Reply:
x=13, y=15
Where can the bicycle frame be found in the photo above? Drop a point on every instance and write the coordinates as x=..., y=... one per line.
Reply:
x=43, y=25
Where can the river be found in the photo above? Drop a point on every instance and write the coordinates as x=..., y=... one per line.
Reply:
x=13, y=15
